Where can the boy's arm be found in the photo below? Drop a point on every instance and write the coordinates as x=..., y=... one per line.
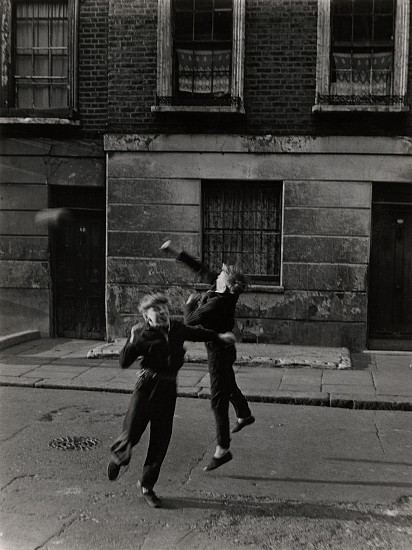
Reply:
x=199, y=334
x=204, y=274
x=205, y=314
x=133, y=347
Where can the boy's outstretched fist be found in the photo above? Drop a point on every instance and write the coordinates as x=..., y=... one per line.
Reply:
x=167, y=247
x=227, y=337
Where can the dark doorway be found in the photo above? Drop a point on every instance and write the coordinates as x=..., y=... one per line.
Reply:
x=390, y=278
x=78, y=264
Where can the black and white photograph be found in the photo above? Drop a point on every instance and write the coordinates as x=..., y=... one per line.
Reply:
x=205, y=275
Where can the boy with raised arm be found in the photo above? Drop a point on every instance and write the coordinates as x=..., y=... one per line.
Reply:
x=217, y=311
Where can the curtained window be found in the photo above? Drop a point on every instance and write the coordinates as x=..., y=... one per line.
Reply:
x=362, y=47
x=204, y=71
x=242, y=226
x=41, y=55
x=362, y=74
x=202, y=41
x=362, y=56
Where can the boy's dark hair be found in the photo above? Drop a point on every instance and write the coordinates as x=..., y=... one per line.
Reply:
x=236, y=280
x=152, y=299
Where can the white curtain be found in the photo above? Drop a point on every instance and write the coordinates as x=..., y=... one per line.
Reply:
x=362, y=74
x=204, y=71
x=41, y=55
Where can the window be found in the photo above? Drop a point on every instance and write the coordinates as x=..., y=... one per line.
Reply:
x=362, y=54
x=242, y=226
x=202, y=48
x=41, y=77
x=200, y=55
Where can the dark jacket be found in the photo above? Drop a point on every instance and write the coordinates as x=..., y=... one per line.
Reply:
x=160, y=351
x=216, y=310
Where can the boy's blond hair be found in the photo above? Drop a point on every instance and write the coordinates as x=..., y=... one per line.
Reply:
x=152, y=299
x=235, y=279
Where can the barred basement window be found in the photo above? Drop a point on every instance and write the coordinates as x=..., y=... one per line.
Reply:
x=242, y=226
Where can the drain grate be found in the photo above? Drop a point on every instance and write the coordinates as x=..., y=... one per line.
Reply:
x=75, y=443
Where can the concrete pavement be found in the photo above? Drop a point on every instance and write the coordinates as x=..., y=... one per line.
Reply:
x=265, y=373
x=301, y=477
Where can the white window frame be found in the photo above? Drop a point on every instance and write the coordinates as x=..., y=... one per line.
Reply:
x=165, y=62
x=13, y=115
x=400, y=71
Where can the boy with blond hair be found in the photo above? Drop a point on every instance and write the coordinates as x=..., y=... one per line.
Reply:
x=158, y=342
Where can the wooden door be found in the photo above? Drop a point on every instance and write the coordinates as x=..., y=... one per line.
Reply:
x=390, y=279
x=78, y=276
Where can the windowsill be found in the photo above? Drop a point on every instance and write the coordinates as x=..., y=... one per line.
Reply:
x=324, y=108
x=274, y=289
x=39, y=120
x=197, y=109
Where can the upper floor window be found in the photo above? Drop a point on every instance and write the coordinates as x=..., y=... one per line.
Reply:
x=362, y=54
x=242, y=226
x=200, y=55
x=202, y=47
x=41, y=56
x=40, y=49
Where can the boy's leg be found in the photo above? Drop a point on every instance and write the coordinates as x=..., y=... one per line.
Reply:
x=238, y=400
x=134, y=424
x=219, y=393
x=161, y=425
x=241, y=406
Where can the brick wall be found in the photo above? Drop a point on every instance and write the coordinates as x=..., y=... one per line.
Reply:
x=132, y=64
x=117, y=75
x=280, y=67
x=92, y=64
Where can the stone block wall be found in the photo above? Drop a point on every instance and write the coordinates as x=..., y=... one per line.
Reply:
x=326, y=233
x=323, y=296
x=28, y=168
x=142, y=214
x=154, y=193
x=24, y=254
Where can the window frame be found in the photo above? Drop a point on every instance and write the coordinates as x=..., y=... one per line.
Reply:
x=11, y=114
x=400, y=70
x=256, y=281
x=164, y=89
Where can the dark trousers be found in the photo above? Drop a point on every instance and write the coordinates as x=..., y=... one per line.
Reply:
x=224, y=390
x=152, y=402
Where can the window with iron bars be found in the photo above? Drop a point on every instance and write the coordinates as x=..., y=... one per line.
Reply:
x=242, y=226
x=202, y=50
x=42, y=56
x=362, y=50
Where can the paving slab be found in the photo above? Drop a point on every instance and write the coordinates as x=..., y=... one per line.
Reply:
x=294, y=375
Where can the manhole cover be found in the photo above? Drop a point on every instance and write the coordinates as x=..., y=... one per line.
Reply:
x=74, y=443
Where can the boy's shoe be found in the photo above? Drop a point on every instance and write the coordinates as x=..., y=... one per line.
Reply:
x=150, y=497
x=240, y=425
x=113, y=470
x=216, y=462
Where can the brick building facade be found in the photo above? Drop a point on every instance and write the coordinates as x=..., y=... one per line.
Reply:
x=232, y=127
